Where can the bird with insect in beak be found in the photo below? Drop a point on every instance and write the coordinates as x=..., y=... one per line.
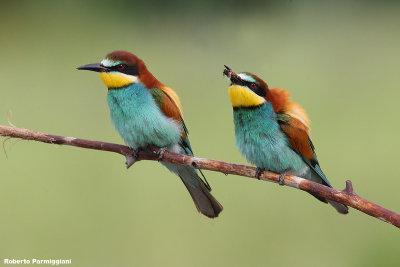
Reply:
x=272, y=132
x=146, y=112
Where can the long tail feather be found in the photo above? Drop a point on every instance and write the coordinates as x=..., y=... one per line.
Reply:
x=204, y=201
x=341, y=208
x=199, y=191
x=319, y=177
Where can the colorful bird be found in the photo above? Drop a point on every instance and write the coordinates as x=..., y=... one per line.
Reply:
x=272, y=132
x=146, y=112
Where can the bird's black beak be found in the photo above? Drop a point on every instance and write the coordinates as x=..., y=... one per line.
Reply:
x=97, y=67
x=228, y=72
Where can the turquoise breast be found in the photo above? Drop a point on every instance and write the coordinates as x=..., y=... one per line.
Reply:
x=139, y=120
x=260, y=139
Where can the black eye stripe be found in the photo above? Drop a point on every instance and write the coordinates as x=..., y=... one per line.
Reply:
x=130, y=70
x=256, y=89
x=259, y=90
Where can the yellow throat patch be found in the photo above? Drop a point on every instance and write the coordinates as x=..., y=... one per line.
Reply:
x=242, y=97
x=117, y=80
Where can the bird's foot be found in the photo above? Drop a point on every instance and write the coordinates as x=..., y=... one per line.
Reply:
x=131, y=159
x=282, y=177
x=258, y=173
x=161, y=152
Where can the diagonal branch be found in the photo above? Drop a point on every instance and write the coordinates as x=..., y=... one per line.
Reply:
x=346, y=196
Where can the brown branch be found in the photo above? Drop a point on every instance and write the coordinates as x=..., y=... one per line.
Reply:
x=346, y=196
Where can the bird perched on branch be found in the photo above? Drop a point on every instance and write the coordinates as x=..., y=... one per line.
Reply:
x=146, y=112
x=273, y=132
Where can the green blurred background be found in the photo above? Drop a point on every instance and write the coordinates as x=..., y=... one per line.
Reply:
x=339, y=60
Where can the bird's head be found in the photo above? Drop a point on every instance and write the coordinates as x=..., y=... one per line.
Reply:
x=246, y=89
x=120, y=69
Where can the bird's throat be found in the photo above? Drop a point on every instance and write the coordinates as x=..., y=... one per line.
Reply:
x=117, y=80
x=242, y=97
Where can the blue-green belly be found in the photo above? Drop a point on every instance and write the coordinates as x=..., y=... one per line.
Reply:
x=260, y=139
x=139, y=120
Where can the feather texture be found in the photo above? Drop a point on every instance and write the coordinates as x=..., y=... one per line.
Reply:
x=139, y=118
x=146, y=112
x=281, y=102
x=295, y=123
x=274, y=134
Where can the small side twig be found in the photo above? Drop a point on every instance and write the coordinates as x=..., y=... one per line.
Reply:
x=349, y=188
x=346, y=196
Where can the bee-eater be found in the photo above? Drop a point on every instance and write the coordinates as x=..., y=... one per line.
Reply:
x=146, y=112
x=272, y=132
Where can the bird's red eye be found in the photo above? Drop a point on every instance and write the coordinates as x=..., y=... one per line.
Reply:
x=120, y=67
x=253, y=85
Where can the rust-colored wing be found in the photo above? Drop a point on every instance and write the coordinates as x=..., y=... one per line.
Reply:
x=297, y=134
x=293, y=120
x=281, y=103
x=295, y=124
x=170, y=105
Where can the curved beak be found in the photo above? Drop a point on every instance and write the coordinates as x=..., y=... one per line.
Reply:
x=97, y=67
x=228, y=72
